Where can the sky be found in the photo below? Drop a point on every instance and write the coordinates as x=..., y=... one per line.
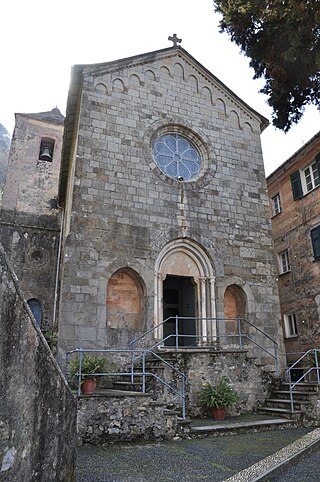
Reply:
x=40, y=41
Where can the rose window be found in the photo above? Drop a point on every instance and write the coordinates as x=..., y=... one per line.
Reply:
x=177, y=157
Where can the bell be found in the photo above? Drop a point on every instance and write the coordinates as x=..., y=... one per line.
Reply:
x=45, y=154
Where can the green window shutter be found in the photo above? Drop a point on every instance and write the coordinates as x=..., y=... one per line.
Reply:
x=296, y=185
x=317, y=159
x=315, y=238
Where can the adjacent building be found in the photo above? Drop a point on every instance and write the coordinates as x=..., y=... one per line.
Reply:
x=294, y=192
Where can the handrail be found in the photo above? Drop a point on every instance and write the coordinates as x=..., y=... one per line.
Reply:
x=143, y=373
x=212, y=338
x=294, y=366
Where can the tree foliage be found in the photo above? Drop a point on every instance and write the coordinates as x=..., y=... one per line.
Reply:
x=282, y=39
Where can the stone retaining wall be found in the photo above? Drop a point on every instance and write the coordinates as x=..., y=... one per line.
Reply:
x=105, y=418
x=37, y=409
x=123, y=419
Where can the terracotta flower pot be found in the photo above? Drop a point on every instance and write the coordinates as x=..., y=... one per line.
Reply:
x=218, y=413
x=88, y=385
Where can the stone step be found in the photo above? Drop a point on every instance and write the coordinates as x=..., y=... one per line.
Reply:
x=151, y=365
x=287, y=401
x=172, y=412
x=110, y=393
x=309, y=386
x=126, y=385
x=285, y=412
x=226, y=427
x=296, y=393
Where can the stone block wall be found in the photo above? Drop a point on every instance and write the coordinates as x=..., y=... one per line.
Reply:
x=201, y=367
x=32, y=184
x=32, y=246
x=37, y=410
x=118, y=419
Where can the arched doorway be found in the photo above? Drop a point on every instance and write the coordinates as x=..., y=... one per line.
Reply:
x=185, y=287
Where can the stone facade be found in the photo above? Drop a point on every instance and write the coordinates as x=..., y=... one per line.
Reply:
x=295, y=207
x=30, y=225
x=123, y=214
x=37, y=410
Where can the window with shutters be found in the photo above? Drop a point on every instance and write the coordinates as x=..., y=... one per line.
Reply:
x=276, y=205
x=284, y=262
x=290, y=325
x=315, y=238
x=306, y=179
x=310, y=178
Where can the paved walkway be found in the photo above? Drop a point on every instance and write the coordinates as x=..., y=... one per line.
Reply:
x=306, y=470
x=206, y=459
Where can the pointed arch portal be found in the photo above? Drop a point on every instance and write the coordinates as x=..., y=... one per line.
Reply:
x=185, y=287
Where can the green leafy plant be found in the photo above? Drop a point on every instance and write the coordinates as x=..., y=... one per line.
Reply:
x=221, y=395
x=52, y=338
x=90, y=365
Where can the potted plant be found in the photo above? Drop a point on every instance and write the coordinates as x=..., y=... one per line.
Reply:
x=218, y=397
x=90, y=365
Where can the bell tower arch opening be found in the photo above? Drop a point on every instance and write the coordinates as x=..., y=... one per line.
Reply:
x=184, y=288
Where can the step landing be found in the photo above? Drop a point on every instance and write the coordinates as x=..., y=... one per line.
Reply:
x=233, y=425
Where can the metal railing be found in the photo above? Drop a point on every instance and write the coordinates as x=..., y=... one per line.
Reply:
x=308, y=363
x=173, y=339
x=134, y=372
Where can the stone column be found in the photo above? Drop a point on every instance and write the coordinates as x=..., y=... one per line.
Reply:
x=202, y=323
x=158, y=310
x=212, y=324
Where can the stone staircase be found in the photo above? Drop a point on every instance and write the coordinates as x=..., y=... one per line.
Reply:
x=152, y=365
x=279, y=404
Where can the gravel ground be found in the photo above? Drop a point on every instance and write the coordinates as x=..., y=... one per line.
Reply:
x=306, y=470
x=211, y=458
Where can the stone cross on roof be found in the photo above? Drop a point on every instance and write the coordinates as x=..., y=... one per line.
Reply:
x=175, y=40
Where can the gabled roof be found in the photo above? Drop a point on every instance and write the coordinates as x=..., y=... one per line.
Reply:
x=105, y=67
x=80, y=72
x=53, y=116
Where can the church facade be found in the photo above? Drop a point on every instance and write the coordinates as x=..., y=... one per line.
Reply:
x=165, y=210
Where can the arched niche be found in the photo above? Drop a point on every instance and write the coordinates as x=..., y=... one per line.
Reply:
x=118, y=85
x=134, y=80
x=179, y=261
x=36, y=308
x=235, y=306
x=125, y=300
x=101, y=88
